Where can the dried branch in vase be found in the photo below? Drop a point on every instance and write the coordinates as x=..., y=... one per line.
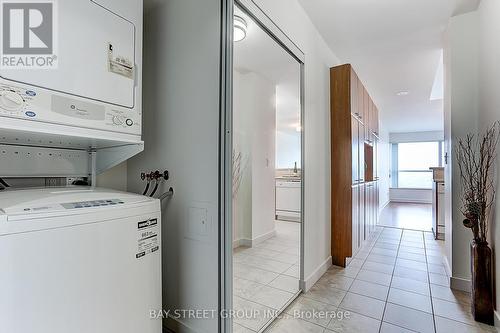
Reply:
x=476, y=155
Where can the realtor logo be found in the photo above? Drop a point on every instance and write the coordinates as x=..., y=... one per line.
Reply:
x=28, y=34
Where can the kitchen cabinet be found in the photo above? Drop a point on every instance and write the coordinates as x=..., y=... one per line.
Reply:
x=354, y=175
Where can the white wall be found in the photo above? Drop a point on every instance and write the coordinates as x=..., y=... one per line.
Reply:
x=461, y=117
x=489, y=101
x=293, y=20
x=114, y=178
x=254, y=135
x=181, y=133
x=384, y=167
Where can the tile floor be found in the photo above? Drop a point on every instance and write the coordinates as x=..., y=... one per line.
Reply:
x=266, y=277
x=396, y=283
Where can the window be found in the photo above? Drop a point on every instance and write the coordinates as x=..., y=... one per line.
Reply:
x=411, y=163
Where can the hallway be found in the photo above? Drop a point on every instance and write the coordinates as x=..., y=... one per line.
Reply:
x=396, y=283
x=413, y=216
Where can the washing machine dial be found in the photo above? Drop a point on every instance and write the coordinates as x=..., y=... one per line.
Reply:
x=11, y=101
x=118, y=120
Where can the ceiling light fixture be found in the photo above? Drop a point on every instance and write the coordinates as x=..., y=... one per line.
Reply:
x=240, y=28
x=403, y=93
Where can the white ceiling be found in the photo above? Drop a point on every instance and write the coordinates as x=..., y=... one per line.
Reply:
x=259, y=53
x=394, y=45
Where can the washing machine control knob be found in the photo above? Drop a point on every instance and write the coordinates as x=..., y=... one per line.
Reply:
x=11, y=101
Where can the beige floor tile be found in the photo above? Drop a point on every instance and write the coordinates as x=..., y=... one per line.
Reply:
x=412, y=264
x=363, y=305
x=254, y=274
x=450, y=295
x=374, y=277
x=411, y=274
x=286, y=283
x=381, y=259
x=369, y=289
x=444, y=325
x=324, y=293
x=378, y=267
x=245, y=288
x=410, y=300
x=257, y=317
x=414, y=320
x=410, y=285
x=437, y=269
x=293, y=271
x=390, y=328
x=355, y=323
x=412, y=256
x=349, y=271
x=272, y=297
x=288, y=324
x=454, y=311
x=240, y=329
x=384, y=252
x=304, y=308
x=439, y=279
x=336, y=280
x=409, y=249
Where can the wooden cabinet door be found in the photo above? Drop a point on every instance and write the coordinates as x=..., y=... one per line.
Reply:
x=355, y=219
x=355, y=149
x=361, y=151
x=361, y=100
x=355, y=109
x=364, y=232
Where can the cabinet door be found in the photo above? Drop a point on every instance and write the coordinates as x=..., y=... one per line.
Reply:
x=355, y=149
x=355, y=109
x=361, y=100
x=366, y=106
x=355, y=219
x=376, y=121
x=364, y=232
x=361, y=152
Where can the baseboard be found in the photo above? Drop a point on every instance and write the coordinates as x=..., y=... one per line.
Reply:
x=382, y=206
x=447, y=266
x=246, y=242
x=263, y=238
x=411, y=201
x=497, y=319
x=316, y=275
x=460, y=284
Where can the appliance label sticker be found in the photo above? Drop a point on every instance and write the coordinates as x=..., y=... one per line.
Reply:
x=120, y=65
x=147, y=238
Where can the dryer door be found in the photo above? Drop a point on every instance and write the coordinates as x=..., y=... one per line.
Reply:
x=95, y=50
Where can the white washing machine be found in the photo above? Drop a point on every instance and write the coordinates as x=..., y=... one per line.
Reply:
x=79, y=260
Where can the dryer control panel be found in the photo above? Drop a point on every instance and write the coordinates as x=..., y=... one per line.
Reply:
x=37, y=104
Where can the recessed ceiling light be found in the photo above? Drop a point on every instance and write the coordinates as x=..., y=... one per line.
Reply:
x=403, y=93
x=240, y=28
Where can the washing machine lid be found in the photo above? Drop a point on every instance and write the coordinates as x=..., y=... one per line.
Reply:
x=96, y=54
x=33, y=203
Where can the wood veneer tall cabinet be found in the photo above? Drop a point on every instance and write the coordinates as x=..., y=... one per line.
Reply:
x=354, y=143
